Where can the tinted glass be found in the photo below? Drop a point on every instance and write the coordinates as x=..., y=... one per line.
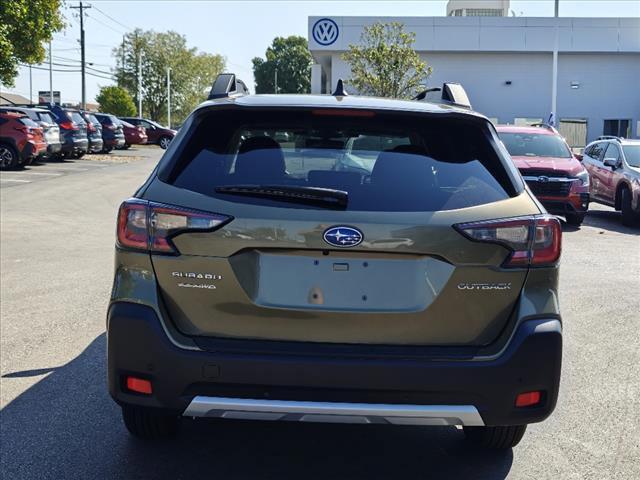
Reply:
x=632, y=154
x=612, y=152
x=46, y=117
x=28, y=122
x=76, y=117
x=384, y=163
x=535, y=145
x=596, y=151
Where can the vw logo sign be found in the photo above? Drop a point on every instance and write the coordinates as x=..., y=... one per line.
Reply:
x=543, y=179
x=325, y=31
x=342, y=236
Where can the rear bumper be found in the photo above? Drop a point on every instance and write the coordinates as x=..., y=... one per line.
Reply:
x=223, y=383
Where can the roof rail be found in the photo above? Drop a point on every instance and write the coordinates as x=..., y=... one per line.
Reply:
x=545, y=125
x=609, y=137
x=227, y=85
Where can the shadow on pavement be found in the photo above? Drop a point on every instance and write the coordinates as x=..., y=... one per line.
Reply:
x=67, y=426
x=609, y=220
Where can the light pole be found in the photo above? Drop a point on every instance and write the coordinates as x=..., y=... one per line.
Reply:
x=50, y=77
x=169, y=97
x=139, y=84
x=554, y=82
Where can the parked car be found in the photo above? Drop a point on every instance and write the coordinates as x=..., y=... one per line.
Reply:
x=21, y=140
x=253, y=283
x=46, y=120
x=73, y=131
x=134, y=135
x=112, y=131
x=554, y=174
x=94, y=132
x=158, y=135
x=614, y=167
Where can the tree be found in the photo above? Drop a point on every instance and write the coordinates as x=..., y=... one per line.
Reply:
x=292, y=59
x=385, y=64
x=116, y=100
x=192, y=72
x=24, y=26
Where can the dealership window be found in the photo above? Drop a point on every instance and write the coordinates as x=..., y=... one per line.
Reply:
x=484, y=12
x=619, y=128
x=522, y=121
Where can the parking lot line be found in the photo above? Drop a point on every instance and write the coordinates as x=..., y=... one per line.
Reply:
x=6, y=180
x=37, y=173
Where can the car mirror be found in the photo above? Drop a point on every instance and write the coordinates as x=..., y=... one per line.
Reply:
x=578, y=156
x=611, y=162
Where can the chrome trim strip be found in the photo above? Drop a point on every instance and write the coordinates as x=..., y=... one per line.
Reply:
x=550, y=179
x=331, y=412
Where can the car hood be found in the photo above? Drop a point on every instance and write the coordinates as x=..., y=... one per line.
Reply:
x=569, y=166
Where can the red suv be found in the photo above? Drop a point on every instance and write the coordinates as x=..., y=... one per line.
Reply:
x=554, y=175
x=21, y=140
x=157, y=134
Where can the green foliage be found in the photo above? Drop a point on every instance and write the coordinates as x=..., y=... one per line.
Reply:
x=293, y=61
x=385, y=64
x=192, y=72
x=24, y=26
x=116, y=100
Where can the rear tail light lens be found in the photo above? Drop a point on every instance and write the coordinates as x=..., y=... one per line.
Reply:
x=68, y=125
x=150, y=226
x=534, y=240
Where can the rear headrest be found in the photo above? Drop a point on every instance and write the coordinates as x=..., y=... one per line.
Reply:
x=410, y=168
x=260, y=160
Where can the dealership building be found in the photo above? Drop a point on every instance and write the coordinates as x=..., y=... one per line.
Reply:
x=505, y=63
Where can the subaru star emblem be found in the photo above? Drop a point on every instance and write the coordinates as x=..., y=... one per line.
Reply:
x=325, y=31
x=543, y=179
x=342, y=236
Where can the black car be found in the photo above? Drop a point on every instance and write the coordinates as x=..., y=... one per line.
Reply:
x=45, y=119
x=112, y=131
x=94, y=132
x=73, y=131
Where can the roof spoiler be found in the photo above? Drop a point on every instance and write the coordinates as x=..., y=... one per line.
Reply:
x=551, y=128
x=227, y=85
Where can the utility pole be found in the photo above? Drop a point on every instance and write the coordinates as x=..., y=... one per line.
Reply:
x=84, y=86
x=275, y=80
x=554, y=83
x=30, y=86
x=139, y=84
x=50, y=77
x=169, y=97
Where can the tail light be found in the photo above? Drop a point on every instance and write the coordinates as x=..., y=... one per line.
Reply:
x=25, y=129
x=534, y=241
x=110, y=126
x=91, y=127
x=150, y=226
x=69, y=125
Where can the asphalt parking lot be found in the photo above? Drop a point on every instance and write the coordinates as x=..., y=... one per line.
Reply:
x=58, y=421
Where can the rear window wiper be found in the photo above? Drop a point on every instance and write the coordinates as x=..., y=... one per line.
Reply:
x=326, y=197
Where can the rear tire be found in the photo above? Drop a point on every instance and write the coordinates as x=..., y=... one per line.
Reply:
x=149, y=423
x=164, y=142
x=495, y=438
x=575, y=219
x=629, y=217
x=8, y=157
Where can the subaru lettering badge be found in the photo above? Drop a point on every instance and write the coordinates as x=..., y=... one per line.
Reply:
x=342, y=236
x=325, y=31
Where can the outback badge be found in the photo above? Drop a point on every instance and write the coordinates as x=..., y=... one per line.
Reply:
x=343, y=236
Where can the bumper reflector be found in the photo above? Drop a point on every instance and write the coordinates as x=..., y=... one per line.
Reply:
x=528, y=399
x=139, y=385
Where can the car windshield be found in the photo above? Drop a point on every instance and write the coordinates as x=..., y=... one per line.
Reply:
x=534, y=145
x=382, y=164
x=632, y=154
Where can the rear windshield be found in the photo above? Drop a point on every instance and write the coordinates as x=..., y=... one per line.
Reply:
x=76, y=117
x=535, y=145
x=383, y=162
x=28, y=122
x=46, y=117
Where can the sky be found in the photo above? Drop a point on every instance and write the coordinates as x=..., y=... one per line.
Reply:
x=238, y=30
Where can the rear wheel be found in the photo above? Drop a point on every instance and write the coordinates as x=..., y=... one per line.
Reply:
x=149, y=423
x=497, y=438
x=629, y=217
x=575, y=219
x=164, y=142
x=8, y=157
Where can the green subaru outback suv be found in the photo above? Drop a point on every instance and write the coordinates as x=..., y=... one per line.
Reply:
x=335, y=259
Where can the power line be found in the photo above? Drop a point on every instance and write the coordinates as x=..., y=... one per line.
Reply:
x=112, y=19
x=117, y=30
